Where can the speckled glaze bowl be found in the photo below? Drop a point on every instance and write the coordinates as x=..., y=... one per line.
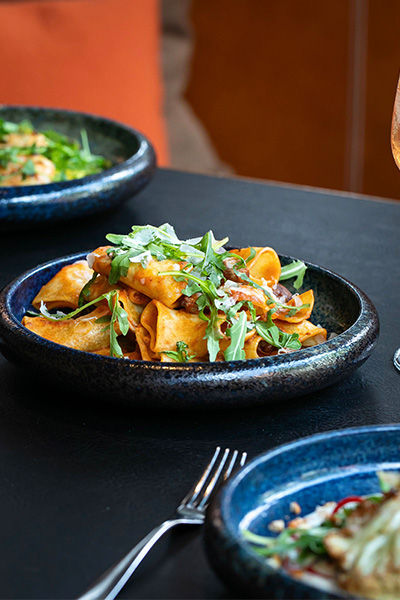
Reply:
x=310, y=471
x=131, y=154
x=340, y=307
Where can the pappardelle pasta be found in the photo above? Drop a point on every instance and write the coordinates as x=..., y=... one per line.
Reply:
x=151, y=296
x=30, y=157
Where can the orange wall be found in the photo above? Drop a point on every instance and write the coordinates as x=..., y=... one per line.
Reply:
x=270, y=82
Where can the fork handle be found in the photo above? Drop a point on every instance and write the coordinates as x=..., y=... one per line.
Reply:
x=108, y=585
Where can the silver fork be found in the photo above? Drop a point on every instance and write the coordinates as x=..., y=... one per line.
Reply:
x=191, y=511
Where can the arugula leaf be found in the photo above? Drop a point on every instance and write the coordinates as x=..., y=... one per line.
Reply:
x=213, y=334
x=207, y=287
x=85, y=291
x=7, y=127
x=274, y=336
x=252, y=310
x=119, y=315
x=85, y=144
x=237, y=333
x=296, y=269
x=233, y=310
x=29, y=168
x=251, y=255
x=25, y=126
x=71, y=161
x=273, y=301
x=7, y=155
x=307, y=542
x=181, y=354
x=120, y=265
x=204, y=273
x=210, y=294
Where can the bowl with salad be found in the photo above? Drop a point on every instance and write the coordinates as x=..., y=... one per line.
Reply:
x=315, y=518
x=59, y=164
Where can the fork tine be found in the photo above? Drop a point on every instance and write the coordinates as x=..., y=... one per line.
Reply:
x=231, y=465
x=192, y=495
x=243, y=459
x=214, y=480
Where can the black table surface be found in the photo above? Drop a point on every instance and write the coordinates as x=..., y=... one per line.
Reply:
x=81, y=483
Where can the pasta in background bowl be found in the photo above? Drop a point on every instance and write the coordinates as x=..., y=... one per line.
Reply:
x=130, y=161
x=160, y=321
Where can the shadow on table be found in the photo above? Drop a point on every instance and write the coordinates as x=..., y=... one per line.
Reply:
x=336, y=407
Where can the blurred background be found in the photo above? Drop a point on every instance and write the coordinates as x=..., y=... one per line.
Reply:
x=299, y=92
x=295, y=91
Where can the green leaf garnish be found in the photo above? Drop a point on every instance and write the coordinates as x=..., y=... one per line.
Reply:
x=29, y=168
x=251, y=255
x=203, y=269
x=71, y=160
x=237, y=334
x=296, y=269
x=181, y=354
x=274, y=336
x=85, y=291
x=213, y=334
x=118, y=315
x=273, y=301
x=305, y=541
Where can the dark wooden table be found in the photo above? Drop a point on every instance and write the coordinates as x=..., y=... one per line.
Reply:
x=81, y=483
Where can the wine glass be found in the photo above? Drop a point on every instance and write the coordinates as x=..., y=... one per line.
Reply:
x=395, y=139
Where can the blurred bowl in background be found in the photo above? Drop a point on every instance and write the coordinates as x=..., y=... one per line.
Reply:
x=130, y=152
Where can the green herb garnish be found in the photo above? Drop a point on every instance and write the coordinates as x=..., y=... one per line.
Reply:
x=118, y=315
x=181, y=354
x=237, y=334
x=306, y=541
x=296, y=269
x=274, y=336
x=85, y=291
x=72, y=160
x=29, y=168
x=203, y=269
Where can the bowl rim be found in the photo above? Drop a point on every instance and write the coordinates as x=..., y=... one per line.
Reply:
x=364, y=322
x=308, y=440
x=15, y=192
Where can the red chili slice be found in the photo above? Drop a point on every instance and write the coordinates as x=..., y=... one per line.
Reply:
x=316, y=572
x=346, y=501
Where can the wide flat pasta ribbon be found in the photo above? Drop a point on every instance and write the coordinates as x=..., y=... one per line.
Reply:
x=300, y=315
x=62, y=291
x=132, y=309
x=264, y=265
x=99, y=287
x=247, y=293
x=167, y=327
x=308, y=333
x=146, y=279
x=253, y=347
x=82, y=333
x=143, y=340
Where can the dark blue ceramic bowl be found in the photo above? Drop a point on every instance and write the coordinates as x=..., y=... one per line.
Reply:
x=340, y=307
x=131, y=154
x=310, y=471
